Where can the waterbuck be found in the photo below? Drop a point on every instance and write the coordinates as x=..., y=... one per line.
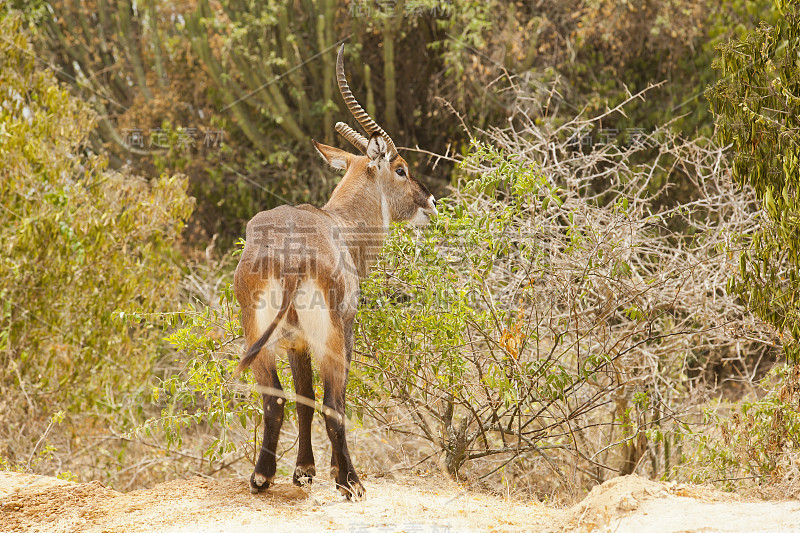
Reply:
x=297, y=284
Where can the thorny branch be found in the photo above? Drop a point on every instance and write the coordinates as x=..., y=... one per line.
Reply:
x=605, y=314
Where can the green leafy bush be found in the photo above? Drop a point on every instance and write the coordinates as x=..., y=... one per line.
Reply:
x=78, y=242
x=755, y=107
x=759, y=441
x=538, y=322
x=756, y=111
x=200, y=391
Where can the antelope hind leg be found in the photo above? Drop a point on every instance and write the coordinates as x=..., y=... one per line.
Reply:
x=345, y=475
x=264, y=472
x=300, y=362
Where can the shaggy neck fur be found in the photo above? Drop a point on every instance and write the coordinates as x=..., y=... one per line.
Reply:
x=361, y=212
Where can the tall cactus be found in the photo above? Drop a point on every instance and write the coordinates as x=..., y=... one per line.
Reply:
x=96, y=45
x=129, y=34
x=390, y=29
x=152, y=22
x=269, y=65
x=263, y=72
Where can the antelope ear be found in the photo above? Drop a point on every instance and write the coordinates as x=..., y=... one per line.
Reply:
x=376, y=149
x=333, y=156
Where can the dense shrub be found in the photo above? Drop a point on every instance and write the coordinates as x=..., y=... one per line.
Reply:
x=78, y=241
x=756, y=109
x=553, y=318
x=755, y=443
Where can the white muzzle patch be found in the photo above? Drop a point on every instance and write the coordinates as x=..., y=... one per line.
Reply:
x=423, y=215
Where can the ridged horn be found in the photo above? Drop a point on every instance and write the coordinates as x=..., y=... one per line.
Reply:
x=355, y=138
x=369, y=125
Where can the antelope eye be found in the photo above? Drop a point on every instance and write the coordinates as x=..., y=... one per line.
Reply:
x=400, y=172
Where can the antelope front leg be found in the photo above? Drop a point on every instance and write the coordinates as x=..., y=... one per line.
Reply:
x=264, y=472
x=334, y=465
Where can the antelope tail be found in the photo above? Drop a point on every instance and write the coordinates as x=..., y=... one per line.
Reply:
x=289, y=289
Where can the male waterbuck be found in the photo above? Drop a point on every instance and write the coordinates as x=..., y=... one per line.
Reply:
x=297, y=285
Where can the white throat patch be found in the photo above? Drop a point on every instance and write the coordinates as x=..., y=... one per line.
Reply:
x=385, y=211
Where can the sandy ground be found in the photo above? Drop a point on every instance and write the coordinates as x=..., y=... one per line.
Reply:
x=626, y=504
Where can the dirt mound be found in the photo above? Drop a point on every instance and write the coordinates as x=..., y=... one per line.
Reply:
x=51, y=503
x=613, y=499
x=40, y=503
x=625, y=504
x=634, y=504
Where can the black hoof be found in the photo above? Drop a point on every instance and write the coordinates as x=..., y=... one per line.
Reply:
x=354, y=492
x=351, y=488
x=304, y=475
x=258, y=482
